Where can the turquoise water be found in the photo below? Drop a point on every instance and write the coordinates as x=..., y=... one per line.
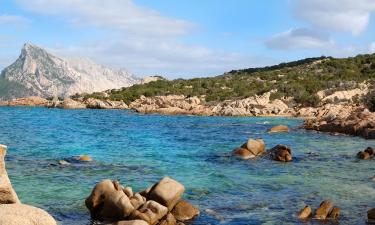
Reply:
x=139, y=150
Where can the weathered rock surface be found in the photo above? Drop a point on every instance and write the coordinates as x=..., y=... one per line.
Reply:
x=184, y=211
x=359, y=123
x=108, y=202
x=92, y=103
x=251, y=149
x=305, y=213
x=167, y=192
x=29, y=101
x=335, y=213
x=279, y=128
x=67, y=104
x=112, y=202
x=151, y=212
x=20, y=214
x=7, y=194
x=368, y=153
x=324, y=209
x=281, y=153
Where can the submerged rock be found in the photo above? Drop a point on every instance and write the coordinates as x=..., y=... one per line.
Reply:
x=279, y=128
x=84, y=158
x=7, y=193
x=20, y=214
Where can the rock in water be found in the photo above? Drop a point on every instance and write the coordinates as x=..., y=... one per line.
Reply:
x=20, y=214
x=335, y=213
x=257, y=147
x=151, y=212
x=184, y=211
x=168, y=220
x=279, y=128
x=243, y=153
x=305, y=213
x=108, y=202
x=130, y=222
x=281, y=153
x=371, y=215
x=7, y=194
x=167, y=192
x=323, y=210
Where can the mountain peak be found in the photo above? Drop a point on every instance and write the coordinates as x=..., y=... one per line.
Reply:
x=46, y=75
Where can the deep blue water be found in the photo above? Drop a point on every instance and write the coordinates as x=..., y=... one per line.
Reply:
x=139, y=150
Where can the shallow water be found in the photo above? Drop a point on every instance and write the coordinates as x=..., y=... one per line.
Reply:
x=139, y=150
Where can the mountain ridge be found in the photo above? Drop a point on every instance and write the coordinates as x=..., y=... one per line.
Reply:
x=37, y=72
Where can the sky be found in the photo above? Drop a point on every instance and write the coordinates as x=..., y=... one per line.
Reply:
x=188, y=38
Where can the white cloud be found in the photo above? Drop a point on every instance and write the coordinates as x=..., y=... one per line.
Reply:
x=13, y=20
x=138, y=38
x=121, y=15
x=339, y=15
x=300, y=38
x=151, y=56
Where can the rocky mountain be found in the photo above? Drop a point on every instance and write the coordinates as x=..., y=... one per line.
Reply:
x=39, y=73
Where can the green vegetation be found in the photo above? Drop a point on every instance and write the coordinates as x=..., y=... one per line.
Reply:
x=299, y=79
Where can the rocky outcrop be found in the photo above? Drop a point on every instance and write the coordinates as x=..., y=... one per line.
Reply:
x=359, y=123
x=29, y=101
x=156, y=205
x=7, y=194
x=89, y=103
x=305, y=213
x=170, y=105
x=12, y=212
x=92, y=103
x=252, y=106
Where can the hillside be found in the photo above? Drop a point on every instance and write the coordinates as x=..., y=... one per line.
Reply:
x=299, y=79
x=39, y=73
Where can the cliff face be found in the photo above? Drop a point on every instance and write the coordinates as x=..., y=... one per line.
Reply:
x=39, y=73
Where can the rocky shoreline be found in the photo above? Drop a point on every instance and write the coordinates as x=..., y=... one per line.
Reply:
x=337, y=113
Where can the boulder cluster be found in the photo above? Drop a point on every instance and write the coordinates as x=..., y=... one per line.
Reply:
x=160, y=204
x=255, y=148
x=12, y=211
x=358, y=123
x=368, y=153
x=326, y=210
x=89, y=103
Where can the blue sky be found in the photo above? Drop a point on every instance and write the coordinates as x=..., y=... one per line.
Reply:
x=188, y=38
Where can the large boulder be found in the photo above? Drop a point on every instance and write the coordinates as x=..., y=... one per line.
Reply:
x=184, y=211
x=167, y=192
x=168, y=220
x=305, y=213
x=7, y=194
x=281, y=153
x=20, y=214
x=109, y=202
x=257, y=147
x=130, y=222
x=371, y=215
x=324, y=209
x=243, y=153
x=279, y=128
x=137, y=200
x=151, y=212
